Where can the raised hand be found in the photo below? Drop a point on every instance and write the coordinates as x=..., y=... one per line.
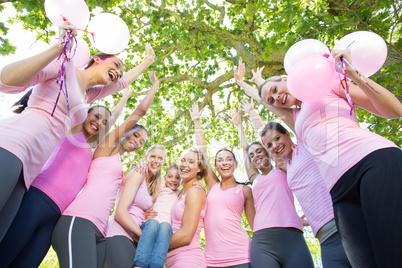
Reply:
x=240, y=71
x=153, y=78
x=195, y=113
x=257, y=75
x=235, y=117
x=62, y=31
x=337, y=54
x=150, y=51
x=247, y=106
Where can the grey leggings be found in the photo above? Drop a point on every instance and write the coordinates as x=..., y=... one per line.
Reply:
x=280, y=248
x=120, y=252
x=78, y=241
x=243, y=265
x=12, y=189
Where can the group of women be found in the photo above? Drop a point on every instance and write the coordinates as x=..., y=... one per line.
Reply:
x=62, y=177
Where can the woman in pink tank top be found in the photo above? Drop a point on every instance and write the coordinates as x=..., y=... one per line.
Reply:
x=355, y=163
x=79, y=235
x=28, y=139
x=137, y=195
x=188, y=213
x=227, y=244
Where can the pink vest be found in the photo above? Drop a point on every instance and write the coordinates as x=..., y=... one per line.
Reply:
x=306, y=183
x=226, y=242
x=274, y=202
x=142, y=201
x=65, y=172
x=96, y=200
x=191, y=255
x=163, y=204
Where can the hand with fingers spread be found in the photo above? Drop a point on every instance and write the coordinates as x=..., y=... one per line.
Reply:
x=150, y=51
x=257, y=76
x=195, y=113
x=141, y=168
x=239, y=72
x=235, y=117
x=247, y=106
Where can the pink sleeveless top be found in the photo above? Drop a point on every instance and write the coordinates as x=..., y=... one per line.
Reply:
x=334, y=137
x=65, y=172
x=163, y=204
x=96, y=200
x=32, y=135
x=142, y=201
x=191, y=255
x=305, y=181
x=226, y=242
x=274, y=202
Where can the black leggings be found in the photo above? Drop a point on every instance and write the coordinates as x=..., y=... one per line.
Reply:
x=12, y=189
x=367, y=205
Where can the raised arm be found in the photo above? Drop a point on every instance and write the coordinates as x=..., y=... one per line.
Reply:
x=210, y=178
x=248, y=108
x=383, y=103
x=283, y=113
x=132, y=74
x=132, y=183
x=116, y=111
x=195, y=201
x=250, y=170
x=22, y=72
x=249, y=208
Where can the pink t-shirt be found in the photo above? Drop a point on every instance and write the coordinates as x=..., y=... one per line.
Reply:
x=142, y=201
x=65, y=172
x=32, y=135
x=164, y=203
x=191, y=255
x=226, y=242
x=274, y=202
x=305, y=181
x=334, y=137
x=96, y=200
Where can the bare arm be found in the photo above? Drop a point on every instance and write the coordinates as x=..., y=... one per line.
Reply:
x=195, y=201
x=132, y=74
x=210, y=178
x=248, y=108
x=249, y=208
x=22, y=72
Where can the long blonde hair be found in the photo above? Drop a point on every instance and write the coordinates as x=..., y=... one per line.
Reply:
x=202, y=163
x=155, y=179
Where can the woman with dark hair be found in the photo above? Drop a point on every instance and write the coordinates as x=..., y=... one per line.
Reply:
x=278, y=232
x=79, y=235
x=28, y=139
x=60, y=180
x=226, y=242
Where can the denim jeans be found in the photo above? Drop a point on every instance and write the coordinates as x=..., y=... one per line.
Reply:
x=153, y=245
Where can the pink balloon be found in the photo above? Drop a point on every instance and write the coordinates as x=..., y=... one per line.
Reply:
x=75, y=11
x=302, y=49
x=111, y=34
x=82, y=53
x=368, y=51
x=311, y=78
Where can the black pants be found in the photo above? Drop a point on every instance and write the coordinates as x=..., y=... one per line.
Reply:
x=367, y=205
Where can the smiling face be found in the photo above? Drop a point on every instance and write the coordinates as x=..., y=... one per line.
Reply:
x=172, y=179
x=110, y=69
x=188, y=166
x=259, y=157
x=96, y=120
x=279, y=145
x=156, y=159
x=225, y=164
x=134, y=139
x=277, y=94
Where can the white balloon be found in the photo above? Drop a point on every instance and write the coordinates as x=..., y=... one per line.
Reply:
x=110, y=33
x=301, y=49
x=75, y=11
x=82, y=53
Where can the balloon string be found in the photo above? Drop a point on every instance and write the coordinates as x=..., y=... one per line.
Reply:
x=342, y=67
x=364, y=80
x=91, y=33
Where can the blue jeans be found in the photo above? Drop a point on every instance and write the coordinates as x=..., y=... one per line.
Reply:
x=153, y=245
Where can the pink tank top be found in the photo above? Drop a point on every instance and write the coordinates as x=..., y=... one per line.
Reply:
x=65, y=172
x=163, y=204
x=96, y=200
x=32, y=135
x=226, y=242
x=334, y=137
x=142, y=201
x=305, y=181
x=274, y=202
x=191, y=255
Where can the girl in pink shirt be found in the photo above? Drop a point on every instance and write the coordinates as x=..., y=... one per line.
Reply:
x=136, y=196
x=62, y=177
x=226, y=242
x=79, y=235
x=28, y=139
x=360, y=169
x=188, y=213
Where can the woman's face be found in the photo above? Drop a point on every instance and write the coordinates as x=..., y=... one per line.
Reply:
x=96, y=120
x=278, y=144
x=225, y=164
x=188, y=166
x=156, y=159
x=258, y=156
x=172, y=179
x=134, y=139
x=277, y=94
x=111, y=69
